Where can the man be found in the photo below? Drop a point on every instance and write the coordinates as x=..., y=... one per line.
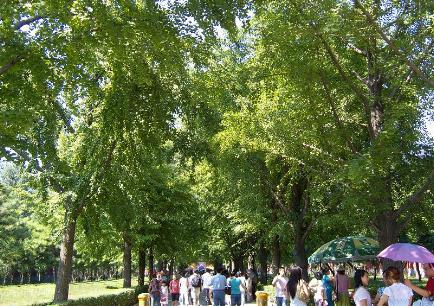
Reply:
x=218, y=284
x=427, y=293
x=206, y=286
x=279, y=283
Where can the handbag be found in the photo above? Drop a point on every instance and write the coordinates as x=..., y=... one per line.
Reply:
x=228, y=290
x=303, y=291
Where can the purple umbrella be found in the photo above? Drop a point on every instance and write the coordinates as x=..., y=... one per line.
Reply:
x=407, y=252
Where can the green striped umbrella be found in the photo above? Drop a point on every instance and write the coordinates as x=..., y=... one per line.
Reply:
x=346, y=249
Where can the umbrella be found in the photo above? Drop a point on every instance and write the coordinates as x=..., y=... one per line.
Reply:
x=407, y=252
x=346, y=249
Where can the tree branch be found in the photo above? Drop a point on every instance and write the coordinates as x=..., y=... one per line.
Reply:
x=334, y=58
x=392, y=45
x=11, y=64
x=335, y=113
x=28, y=21
x=417, y=196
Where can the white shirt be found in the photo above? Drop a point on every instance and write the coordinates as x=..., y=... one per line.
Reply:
x=183, y=285
x=280, y=285
x=362, y=294
x=243, y=281
x=399, y=294
x=206, y=280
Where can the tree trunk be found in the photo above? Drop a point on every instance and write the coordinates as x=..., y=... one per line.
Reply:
x=142, y=264
x=171, y=265
x=251, y=261
x=300, y=255
x=127, y=262
x=65, y=263
x=217, y=262
x=262, y=257
x=388, y=231
x=419, y=276
x=275, y=263
x=151, y=264
x=238, y=263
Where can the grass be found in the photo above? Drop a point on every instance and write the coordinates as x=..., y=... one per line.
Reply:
x=21, y=295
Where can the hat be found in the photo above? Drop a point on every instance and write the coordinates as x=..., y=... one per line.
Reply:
x=341, y=267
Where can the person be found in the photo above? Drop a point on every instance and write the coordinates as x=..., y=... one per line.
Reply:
x=155, y=290
x=396, y=294
x=218, y=284
x=228, y=287
x=183, y=289
x=342, y=285
x=243, y=288
x=317, y=289
x=279, y=283
x=164, y=294
x=361, y=294
x=235, y=284
x=297, y=289
x=196, y=284
x=206, y=285
x=427, y=293
x=174, y=290
x=327, y=282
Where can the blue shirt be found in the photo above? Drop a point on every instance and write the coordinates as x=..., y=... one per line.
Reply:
x=235, y=286
x=218, y=282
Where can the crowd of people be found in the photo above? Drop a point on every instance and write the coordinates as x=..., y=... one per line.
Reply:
x=203, y=287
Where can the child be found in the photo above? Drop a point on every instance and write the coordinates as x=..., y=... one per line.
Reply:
x=164, y=294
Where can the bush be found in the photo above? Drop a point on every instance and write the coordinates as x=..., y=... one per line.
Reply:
x=127, y=298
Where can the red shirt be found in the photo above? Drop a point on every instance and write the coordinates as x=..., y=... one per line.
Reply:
x=430, y=285
x=174, y=286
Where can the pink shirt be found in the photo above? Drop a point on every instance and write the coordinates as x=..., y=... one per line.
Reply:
x=174, y=286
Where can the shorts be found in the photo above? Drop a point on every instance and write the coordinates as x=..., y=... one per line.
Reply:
x=175, y=296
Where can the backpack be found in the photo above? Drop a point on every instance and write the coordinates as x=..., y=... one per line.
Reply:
x=196, y=281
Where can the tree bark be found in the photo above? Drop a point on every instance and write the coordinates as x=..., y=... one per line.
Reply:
x=275, y=264
x=300, y=255
x=171, y=266
x=142, y=264
x=151, y=264
x=262, y=257
x=251, y=261
x=65, y=263
x=127, y=262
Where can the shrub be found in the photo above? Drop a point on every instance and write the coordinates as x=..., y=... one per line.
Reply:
x=127, y=298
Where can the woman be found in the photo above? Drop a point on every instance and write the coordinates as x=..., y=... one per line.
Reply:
x=174, y=290
x=342, y=285
x=327, y=282
x=396, y=294
x=317, y=289
x=361, y=294
x=297, y=288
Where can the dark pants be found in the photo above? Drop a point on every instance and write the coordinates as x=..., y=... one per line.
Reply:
x=235, y=299
x=205, y=293
x=279, y=301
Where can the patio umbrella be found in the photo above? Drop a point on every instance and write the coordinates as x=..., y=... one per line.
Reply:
x=407, y=252
x=346, y=249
